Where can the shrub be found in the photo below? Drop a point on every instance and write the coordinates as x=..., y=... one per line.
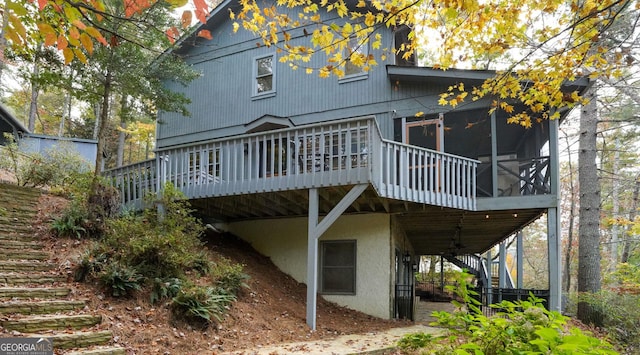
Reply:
x=59, y=167
x=91, y=262
x=122, y=280
x=230, y=277
x=523, y=327
x=201, y=306
x=153, y=251
x=165, y=288
x=415, y=341
x=71, y=223
x=621, y=317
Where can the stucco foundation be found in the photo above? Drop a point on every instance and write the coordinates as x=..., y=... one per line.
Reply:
x=285, y=242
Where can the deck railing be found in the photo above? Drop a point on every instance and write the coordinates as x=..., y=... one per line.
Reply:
x=422, y=175
x=337, y=153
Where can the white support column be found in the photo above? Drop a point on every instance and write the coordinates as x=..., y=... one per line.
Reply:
x=520, y=259
x=315, y=231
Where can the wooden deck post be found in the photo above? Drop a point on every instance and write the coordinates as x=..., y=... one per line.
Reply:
x=553, y=222
x=502, y=266
x=520, y=260
x=315, y=231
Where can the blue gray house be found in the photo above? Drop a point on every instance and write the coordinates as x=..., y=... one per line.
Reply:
x=337, y=180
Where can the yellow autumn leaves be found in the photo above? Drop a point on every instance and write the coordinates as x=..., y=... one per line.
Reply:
x=541, y=44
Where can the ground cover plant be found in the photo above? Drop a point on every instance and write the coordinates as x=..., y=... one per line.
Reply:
x=157, y=252
x=522, y=327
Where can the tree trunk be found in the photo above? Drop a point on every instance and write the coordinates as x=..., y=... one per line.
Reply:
x=572, y=217
x=615, y=192
x=35, y=91
x=589, y=228
x=96, y=125
x=122, y=135
x=102, y=127
x=632, y=216
x=3, y=46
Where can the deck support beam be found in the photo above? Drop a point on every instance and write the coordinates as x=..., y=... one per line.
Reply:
x=553, y=222
x=520, y=259
x=315, y=230
x=502, y=266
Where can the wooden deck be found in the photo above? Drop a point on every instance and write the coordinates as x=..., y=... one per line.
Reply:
x=332, y=154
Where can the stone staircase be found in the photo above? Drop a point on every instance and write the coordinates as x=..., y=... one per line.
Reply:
x=35, y=300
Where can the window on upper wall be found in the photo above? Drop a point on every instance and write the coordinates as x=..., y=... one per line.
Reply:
x=356, y=52
x=264, y=75
x=338, y=267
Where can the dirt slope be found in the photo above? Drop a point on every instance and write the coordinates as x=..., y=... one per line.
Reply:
x=272, y=310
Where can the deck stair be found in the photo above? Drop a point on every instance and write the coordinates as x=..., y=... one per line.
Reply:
x=477, y=265
x=36, y=301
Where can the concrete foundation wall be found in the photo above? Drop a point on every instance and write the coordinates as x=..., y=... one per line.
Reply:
x=285, y=242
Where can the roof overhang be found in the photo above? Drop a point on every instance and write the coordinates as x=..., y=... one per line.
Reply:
x=9, y=123
x=454, y=76
x=268, y=123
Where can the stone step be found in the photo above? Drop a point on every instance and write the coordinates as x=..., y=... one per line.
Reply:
x=19, y=200
x=16, y=220
x=30, y=278
x=40, y=307
x=30, y=324
x=23, y=255
x=25, y=266
x=75, y=340
x=25, y=236
x=34, y=292
x=21, y=213
x=103, y=350
x=12, y=227
x=20, y=245
x=19, y=190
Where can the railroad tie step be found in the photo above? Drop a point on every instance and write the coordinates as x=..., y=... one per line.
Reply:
x=75, y=339
x=12, y=227
x=34, y=292
x=21, y=245
x=102, y=350
x=31, y=324
x=25, y=266
x=14, y=279
x=40, y=307
x=23, y=255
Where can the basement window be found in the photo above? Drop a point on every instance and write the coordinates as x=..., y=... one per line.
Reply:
x=338, y=267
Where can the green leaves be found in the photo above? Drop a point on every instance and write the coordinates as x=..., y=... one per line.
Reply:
x=523, y=327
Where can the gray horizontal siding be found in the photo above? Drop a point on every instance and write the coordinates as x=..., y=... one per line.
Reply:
x=221, y=102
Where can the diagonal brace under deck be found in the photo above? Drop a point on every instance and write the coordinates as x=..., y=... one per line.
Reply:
x=315, y=231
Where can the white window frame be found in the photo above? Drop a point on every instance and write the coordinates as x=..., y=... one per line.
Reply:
x=364, y=49
x=254, y=77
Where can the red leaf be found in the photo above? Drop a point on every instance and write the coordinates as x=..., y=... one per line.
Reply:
x=205, y=34
x=172, y=34
x=202, y=10
x=42, y=4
